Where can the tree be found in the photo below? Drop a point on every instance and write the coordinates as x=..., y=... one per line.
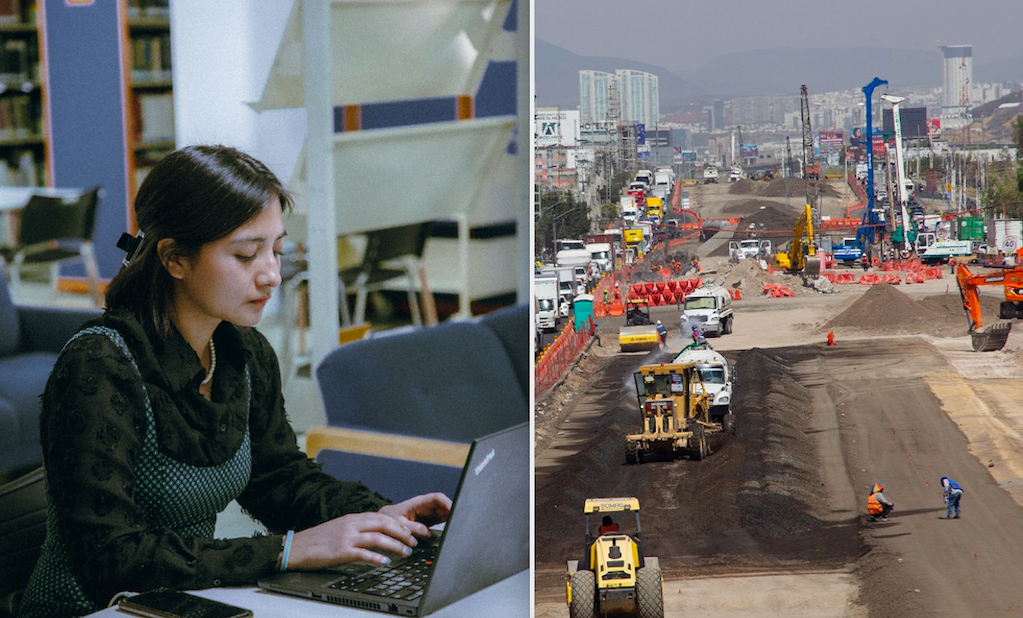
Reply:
x=1004, y=193
x=560, y=216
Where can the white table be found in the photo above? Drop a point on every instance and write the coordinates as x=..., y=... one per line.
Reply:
x=509, y=598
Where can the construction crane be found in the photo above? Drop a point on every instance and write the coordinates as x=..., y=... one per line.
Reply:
x=810, y=168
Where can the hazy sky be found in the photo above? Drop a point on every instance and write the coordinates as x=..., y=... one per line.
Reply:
x=681, y=35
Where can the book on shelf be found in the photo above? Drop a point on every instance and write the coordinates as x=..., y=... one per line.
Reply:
x=16, y=60
x=150, y=58
x=149, y=8
x=155, y=117
x=22, y=169
x=10, y=12
x=19, y=117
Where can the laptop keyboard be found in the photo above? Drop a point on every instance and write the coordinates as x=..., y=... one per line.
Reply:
x=405, y=580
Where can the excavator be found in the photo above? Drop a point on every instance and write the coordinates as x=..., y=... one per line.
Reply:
x=794, y=260
x=1011, y=281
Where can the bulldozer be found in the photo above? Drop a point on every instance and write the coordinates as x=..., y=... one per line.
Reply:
x=639, y=333
x=674, y=407
x=994, y=336
x=614, y=577
x=801, y=257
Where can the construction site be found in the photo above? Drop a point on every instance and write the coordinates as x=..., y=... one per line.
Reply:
x=773, y=518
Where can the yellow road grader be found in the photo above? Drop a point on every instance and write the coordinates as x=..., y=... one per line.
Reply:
x=674, y=409
x=614, y=577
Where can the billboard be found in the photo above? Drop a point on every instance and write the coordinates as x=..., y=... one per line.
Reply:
x=748, y=151
x=640, y=134
x=830, y=141
x=556, y=128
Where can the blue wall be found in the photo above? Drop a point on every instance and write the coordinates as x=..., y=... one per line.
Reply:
x=86, y=89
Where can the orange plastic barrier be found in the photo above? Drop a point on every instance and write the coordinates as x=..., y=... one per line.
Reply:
x=557, y=358
x=869, y=279
x=829, y=276
x=735, y=293
x=845, y=278
x=777, y=290
x=891, y=279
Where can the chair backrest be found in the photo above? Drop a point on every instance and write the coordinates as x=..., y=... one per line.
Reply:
x=22, y=532
x=511, y=325
x=452, y=381
x=10, y=323
x=395, y=242
x=47, y=218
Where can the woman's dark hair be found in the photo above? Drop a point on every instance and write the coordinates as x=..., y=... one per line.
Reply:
x=195, y=195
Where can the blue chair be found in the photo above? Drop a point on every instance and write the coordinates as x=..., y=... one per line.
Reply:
x=30, y=339
x=402, y=410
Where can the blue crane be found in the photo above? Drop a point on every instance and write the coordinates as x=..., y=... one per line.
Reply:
x=870, y=222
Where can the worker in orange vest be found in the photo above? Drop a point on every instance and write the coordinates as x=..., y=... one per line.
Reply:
x=877, y=505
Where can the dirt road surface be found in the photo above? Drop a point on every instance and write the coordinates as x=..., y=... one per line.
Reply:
x=773, y=522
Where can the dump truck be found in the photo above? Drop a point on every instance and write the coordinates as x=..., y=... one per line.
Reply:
x=638, y=333
x=674, y=410
x=630, y=583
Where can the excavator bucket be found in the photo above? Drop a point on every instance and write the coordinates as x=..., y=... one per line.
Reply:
x=812, y=267
x=992, y=338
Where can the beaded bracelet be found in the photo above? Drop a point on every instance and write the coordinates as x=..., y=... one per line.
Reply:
x=287, y=550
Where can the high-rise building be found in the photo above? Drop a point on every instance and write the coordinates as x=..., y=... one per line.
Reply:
x=957, y=76
x=594, y=87
x=640, y=97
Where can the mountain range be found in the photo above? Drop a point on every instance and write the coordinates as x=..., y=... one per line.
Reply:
x=776, y=71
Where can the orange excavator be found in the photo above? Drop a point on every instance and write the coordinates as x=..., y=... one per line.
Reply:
x=1011, y=281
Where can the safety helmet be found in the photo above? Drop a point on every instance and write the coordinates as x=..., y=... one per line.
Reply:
x=878, y=487
x=694, y=328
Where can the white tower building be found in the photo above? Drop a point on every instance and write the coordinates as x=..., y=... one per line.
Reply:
x=593, y=89
x=957, y=76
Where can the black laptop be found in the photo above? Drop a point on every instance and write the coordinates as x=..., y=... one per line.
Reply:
x=485, y=540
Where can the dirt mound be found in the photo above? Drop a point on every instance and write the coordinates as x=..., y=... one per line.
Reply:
x=742, y=186
x=770, y=220
x=796, y=187
x=756, y=499
x=884, y=309
x=747, y=207
x=750, y=278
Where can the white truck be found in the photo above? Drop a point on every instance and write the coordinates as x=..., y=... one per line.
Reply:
x=751, y=248
x=600, y=255
x=710, y=175
x=545, y=290
x=710, y=309
x=716, y=374
x=628, y=207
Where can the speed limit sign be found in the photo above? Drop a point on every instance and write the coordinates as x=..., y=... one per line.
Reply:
x=942, y=233
x=1009, y=244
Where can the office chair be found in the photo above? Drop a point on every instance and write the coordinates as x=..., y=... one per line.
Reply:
x=52, y=230
x=22, y=532
x=402, y=245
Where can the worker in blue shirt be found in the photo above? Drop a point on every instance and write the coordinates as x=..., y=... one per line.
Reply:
x=953, y=493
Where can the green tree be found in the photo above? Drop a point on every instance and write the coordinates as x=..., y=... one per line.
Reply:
x=1004, y=192
x=1017, y=135
x=560, y=216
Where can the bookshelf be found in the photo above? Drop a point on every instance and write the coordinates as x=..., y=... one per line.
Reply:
x=22, y=140
x=152, y=94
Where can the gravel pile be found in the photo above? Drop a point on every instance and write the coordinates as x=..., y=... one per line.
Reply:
x=884, y=309
x=748, y=277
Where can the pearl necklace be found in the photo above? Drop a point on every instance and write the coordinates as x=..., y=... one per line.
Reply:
x=213, y=364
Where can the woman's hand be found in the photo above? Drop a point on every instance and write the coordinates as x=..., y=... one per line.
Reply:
x=359, y=536
x=363, y=536
x=419, y=513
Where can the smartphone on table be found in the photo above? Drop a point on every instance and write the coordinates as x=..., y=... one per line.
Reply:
x=177, y=604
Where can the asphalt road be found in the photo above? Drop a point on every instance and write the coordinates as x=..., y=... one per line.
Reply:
x=903, y=410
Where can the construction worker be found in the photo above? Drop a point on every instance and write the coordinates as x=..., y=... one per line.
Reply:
x=608, y=526
x=877, y=505
x=662, y=331
x=952, y=493
x=698, y=337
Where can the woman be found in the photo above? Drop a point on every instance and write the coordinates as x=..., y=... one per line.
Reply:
x=169, y=406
